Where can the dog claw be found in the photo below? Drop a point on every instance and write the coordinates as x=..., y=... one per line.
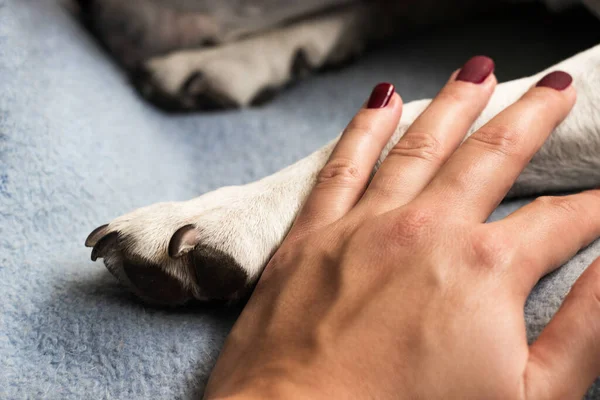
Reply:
x=183, y=241
x=96, y=235
x=102, y=247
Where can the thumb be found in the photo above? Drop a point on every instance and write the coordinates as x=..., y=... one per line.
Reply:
x=565, y=360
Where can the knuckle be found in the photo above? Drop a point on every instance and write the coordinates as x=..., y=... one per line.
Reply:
x=419, y=145
x=491, y=249
x=384, y=187
x=339, y=171
x=562, y=204
x=500, y=139
x=412, y=228
x=360, y=126
x=588, y=289
x=455, y=94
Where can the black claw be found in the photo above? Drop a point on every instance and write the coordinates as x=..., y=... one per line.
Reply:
x=96, y=235
x=264, y=96
x=194, y=85
x=195, y=93
x=301, y=66
x=183, y=241
x=104, y=245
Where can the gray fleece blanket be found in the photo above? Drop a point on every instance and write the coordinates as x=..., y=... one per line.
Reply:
x=78, y=147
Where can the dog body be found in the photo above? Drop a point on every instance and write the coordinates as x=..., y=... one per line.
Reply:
x=199, y=54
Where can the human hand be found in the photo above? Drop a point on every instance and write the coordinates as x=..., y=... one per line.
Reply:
x=400, y=289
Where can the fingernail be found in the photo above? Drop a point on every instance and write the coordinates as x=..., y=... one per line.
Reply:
x=476, y=70
x=557, y=80
x=381, y=95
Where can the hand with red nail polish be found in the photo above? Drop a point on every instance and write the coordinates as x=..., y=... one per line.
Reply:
x=395, y=287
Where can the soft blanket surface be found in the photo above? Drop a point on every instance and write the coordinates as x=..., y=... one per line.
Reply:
x=78, y=148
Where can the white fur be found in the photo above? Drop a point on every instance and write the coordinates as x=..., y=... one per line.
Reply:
x=249, y=222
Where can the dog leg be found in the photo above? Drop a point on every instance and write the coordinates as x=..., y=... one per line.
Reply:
x=216, y=246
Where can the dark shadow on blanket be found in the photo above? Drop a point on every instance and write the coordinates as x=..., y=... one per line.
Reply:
x=93, y=323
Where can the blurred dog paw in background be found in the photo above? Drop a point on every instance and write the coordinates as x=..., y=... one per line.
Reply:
x=203, y=54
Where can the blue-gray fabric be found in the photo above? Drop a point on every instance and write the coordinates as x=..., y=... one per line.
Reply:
x=78, y=147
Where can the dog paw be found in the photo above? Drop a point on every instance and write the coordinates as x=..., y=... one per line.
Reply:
x=210, y=248
x=250, y=71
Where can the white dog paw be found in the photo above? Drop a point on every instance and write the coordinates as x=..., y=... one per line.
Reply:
x=210, y=248
x=170, y=253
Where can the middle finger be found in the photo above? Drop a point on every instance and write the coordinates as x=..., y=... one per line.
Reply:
x=432, y=137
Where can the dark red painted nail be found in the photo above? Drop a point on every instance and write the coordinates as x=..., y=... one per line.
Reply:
x=557, y=80
x=381, y=95
x=476, y=70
